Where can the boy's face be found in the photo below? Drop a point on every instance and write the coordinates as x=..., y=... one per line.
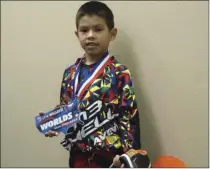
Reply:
x=94, y=35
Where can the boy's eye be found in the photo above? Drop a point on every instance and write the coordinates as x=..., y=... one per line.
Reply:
x=98, y=29
x=83, y=30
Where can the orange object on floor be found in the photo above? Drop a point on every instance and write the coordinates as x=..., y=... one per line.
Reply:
x=168, y=162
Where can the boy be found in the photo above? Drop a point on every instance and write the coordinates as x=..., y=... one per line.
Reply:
x=105, y=93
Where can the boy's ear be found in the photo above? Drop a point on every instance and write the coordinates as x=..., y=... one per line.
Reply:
x=76, y=33
x=113, y=34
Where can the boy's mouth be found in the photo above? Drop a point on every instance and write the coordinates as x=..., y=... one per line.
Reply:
x=91, y=44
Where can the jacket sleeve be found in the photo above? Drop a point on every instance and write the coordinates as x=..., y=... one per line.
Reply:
x=128, y=114
x=63, y=96
x=66, y=90
x=65, y=93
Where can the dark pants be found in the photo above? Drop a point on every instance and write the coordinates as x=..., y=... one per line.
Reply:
x=101, y=159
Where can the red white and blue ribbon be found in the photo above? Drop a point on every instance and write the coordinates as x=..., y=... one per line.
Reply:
x=79, y=89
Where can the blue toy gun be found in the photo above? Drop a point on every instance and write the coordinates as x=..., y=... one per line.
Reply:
x=60, y=119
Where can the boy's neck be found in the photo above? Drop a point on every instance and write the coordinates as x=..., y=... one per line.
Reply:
x=89, y=60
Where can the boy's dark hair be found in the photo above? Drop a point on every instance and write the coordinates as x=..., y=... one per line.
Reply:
x=96, y=8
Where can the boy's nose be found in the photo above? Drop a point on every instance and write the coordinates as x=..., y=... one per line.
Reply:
x=90, y=34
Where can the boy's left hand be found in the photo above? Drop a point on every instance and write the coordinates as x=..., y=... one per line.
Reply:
x=117, y=163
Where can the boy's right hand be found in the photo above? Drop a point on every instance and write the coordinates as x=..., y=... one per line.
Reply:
x=49, y=133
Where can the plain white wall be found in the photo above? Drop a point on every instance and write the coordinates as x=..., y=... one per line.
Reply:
x=165, y=45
